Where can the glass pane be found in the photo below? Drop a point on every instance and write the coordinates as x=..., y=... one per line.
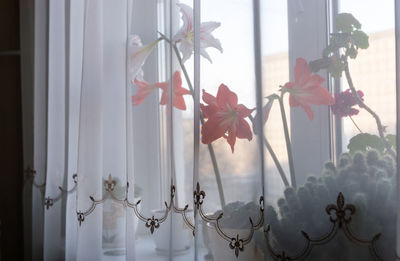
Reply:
x=228, y=130
x=342, y=207
x=166, y=174
x=274, y=31
x=373, y=76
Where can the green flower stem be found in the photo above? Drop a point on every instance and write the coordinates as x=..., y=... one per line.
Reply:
x=369, y=110
x=276, y=161
x=288, y=143
x=355, y=124
x=210, y=147
x=274, y=158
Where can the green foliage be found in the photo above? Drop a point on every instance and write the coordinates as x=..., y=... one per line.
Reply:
x=346, y=41
x=365, y=141
x=360, y=39
x=392, y=140
x=336, y=68
x=346, y=23
x=366, y=180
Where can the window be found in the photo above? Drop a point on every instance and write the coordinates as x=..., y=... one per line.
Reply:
x=162, y=111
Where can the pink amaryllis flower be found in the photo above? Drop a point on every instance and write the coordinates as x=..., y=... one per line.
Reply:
x=145, y=89
x=306, y=89
x=177, y=92
x=185, y=36
x=225, y=117
x=344, y=102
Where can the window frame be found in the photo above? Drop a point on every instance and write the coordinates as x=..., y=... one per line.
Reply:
x=317, y=141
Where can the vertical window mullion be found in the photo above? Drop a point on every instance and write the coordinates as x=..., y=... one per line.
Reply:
x=397, y=39
x=308, y=30
x=335, y=87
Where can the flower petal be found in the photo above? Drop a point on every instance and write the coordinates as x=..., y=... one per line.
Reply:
x=314, y=80
x=204, y=53
x=302, y=71
x=165, y=98
x=294, y=102
x=177, y=80
x=317, y=96
x=187, y=16
x=308, y=110
x=186, y=49
x=207, y=111
x=208, y=98
x=138, y=55
x=185, y=35
x=243, y=111
x=179, y=103
x=208, y=27
x=162, y=85
x=211, y=41
x=231, y=139
x=145, y=89
x=226, y=97
x=243, y=130
x=212, y=130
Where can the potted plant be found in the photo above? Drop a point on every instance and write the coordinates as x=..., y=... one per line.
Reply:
x=364, y=178
x=357, y=175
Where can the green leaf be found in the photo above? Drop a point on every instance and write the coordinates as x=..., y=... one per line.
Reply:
x=364, y=142
x=336, y=68
x=337, y=41
x=346, y=22
x=392, y=140
x=351, y=52
x=360, y=39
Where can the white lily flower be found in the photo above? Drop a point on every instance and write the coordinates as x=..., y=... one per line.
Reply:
x=138, y=54
x=185, y=36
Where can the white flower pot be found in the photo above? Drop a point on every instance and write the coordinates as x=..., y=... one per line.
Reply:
x=182, y=236
x=222, y=252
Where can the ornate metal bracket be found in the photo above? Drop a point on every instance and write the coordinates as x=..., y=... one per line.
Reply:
x=235, y=242
x=48, y=201
x=340, y=217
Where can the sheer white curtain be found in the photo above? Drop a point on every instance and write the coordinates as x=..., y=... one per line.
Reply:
x=97, y=142
x=89, y=124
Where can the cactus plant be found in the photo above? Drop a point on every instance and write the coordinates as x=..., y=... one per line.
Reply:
x=367, y=180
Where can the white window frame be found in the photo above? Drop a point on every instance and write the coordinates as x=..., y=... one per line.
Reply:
x=313, y=142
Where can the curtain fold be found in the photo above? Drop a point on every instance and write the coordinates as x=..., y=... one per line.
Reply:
x=131, y=219
x=114, y=119
x=90, y=148
x=75, y=13
x=54, y=229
